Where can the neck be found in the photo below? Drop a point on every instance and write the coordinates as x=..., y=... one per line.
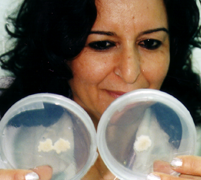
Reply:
x=95, y=119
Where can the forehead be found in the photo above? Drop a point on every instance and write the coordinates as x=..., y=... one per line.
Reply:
x=138, y=12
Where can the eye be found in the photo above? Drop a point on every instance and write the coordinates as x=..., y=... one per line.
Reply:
x=150, y=44
x=101, y=45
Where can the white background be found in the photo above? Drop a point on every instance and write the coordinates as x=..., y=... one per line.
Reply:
x=7, y=6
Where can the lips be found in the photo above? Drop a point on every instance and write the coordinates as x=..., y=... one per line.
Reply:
x=116, y=94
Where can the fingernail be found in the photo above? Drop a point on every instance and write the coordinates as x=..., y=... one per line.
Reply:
x=174, y=173
x=153, y=177
x=176, y=162
x=32, y=176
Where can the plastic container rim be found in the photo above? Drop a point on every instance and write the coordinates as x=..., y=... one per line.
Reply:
x=64, y=102
x=135, y=96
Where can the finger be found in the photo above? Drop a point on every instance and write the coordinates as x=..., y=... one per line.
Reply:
x=190, y=165
x=164, y=167
x=190, y=177
x=44, y=172
x=161, y=176
x=18, y=175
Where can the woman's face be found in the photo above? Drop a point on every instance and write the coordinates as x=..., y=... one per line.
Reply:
x=127, y=49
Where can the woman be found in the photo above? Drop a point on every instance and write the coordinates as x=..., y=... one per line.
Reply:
x=93, y=52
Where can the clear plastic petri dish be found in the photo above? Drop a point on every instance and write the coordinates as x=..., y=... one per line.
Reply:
x=48, y=129
x=142, y=130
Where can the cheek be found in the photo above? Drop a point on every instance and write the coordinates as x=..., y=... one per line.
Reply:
x=156, y=70
x=90, y=69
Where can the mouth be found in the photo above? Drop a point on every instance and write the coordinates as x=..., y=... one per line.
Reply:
x=115, y=94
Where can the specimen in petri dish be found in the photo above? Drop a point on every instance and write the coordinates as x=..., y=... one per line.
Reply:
x=142, y=143
x=59, y=146
x=45, y=146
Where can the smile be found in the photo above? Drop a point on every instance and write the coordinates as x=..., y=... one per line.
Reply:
x=115, y=94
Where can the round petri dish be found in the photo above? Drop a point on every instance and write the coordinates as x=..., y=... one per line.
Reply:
x=142, y=130
x=48, y=129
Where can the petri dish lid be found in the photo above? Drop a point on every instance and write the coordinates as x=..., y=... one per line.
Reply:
x=142, y=128
x=48, y=129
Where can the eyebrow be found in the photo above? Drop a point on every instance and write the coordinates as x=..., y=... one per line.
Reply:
x=109, y=33
x=155, y=30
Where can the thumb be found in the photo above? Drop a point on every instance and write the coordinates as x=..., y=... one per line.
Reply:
x=44, y=172
x=164, y=167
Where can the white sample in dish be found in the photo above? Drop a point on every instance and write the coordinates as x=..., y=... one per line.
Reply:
x=60, y=145
x=45, y=146
x=142, y=143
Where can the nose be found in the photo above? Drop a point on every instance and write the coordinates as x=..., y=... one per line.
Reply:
x=128, y=66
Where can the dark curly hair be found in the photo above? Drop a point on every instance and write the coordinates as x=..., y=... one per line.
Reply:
x=51, y=32
x=48, y=33
x=181, y=81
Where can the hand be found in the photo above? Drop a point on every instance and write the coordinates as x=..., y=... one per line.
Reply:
x=189, y=167
x=39, y=173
